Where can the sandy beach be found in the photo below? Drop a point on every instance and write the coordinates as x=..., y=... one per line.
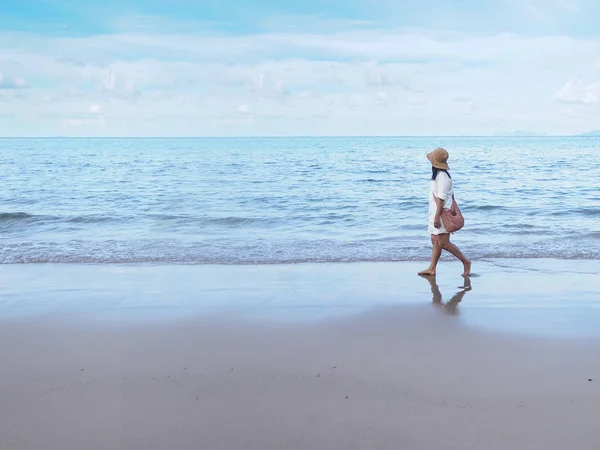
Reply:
x=315, y=356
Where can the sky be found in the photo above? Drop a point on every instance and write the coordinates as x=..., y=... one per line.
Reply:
x=299, y=67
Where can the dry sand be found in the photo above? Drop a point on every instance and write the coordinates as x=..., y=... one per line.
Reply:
x=409, y=376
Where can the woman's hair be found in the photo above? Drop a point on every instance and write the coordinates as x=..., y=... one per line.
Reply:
x=435, y=171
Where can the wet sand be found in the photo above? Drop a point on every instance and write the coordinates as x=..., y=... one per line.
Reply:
x=299, y=357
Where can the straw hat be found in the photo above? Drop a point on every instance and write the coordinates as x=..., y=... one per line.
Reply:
x=439, y=158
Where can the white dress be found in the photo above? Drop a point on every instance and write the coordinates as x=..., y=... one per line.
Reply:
x=441, y=188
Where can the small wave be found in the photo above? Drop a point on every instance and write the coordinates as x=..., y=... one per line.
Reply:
x=515, y=229
x=376, y=171
x=235, y=221
x=373, y=180
x=37, y=218
x=484, y=208
x=15, y=216
x=87, y=219
x=232, y=221
x=587, y=212
x=263, y=251
x=22, y=201
x=229, y=221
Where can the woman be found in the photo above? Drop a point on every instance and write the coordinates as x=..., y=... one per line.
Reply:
x=439, y=199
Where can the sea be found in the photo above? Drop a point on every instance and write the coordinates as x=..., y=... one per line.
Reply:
x=291, y=200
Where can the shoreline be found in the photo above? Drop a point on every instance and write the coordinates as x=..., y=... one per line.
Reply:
x=541, y=297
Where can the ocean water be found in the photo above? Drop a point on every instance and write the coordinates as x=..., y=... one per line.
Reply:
x=286, y=200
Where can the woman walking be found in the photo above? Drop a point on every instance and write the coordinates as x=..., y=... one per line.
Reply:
x=441, y=198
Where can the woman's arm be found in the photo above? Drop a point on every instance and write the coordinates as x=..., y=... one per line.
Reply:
x=441, y=193
x=437, y=222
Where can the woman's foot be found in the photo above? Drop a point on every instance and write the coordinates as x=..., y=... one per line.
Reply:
x=427, y=273
x=467, y=271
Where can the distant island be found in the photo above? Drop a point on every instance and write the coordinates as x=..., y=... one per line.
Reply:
x=520, y=133
x=591, y=133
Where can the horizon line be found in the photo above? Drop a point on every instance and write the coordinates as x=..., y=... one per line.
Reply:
x=310, y=136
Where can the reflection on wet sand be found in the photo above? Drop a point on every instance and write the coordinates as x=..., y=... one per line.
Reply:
x=451, y=306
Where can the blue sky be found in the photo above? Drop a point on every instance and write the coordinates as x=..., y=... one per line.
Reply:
x=231, y=68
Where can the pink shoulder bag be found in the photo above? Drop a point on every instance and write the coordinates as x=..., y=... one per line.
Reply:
x=452, y=218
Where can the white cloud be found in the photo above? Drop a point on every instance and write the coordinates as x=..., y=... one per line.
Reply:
x=344, y=82
x=73, y=123
x=468, y=104
x=8, y=82
x=91, y=120
x=547, y=11
x=572, y=6
x=574, y=91
x=418, y=102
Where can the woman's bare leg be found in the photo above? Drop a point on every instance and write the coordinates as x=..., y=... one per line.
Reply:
x=444, y=243
x=436, y=252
